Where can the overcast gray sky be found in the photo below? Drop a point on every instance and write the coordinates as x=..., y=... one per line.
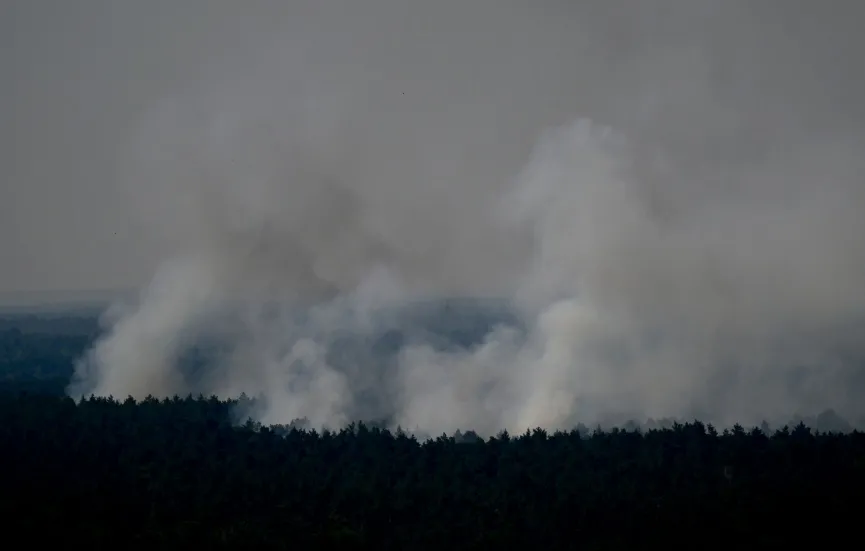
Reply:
x=485, y=78
x=78, y=76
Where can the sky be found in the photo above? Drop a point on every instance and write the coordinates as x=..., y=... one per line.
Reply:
x=716, y=82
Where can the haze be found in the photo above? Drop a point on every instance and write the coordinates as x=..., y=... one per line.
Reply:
x=667, y=193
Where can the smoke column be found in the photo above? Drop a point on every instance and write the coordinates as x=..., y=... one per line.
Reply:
x=667, y=199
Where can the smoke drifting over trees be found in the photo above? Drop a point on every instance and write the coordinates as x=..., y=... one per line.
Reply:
x=665, y=197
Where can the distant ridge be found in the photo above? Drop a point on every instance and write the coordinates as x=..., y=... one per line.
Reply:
x=61, y=302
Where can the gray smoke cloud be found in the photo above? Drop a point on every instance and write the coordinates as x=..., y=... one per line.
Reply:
x=666, y=196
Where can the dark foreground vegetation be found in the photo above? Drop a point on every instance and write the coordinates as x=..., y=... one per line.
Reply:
x=180, y=473
x=176, y=472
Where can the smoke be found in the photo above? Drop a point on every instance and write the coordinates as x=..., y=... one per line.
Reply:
x=682, y=238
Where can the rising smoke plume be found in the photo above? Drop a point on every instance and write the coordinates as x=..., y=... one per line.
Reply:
x=666, y=197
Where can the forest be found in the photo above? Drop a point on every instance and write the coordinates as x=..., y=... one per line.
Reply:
x=187, y=471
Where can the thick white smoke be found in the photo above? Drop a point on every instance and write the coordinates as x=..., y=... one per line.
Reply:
x=656, y=268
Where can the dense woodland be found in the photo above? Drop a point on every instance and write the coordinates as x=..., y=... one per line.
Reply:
x=182, y=472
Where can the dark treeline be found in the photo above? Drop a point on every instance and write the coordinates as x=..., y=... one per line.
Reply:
x=179, y=472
